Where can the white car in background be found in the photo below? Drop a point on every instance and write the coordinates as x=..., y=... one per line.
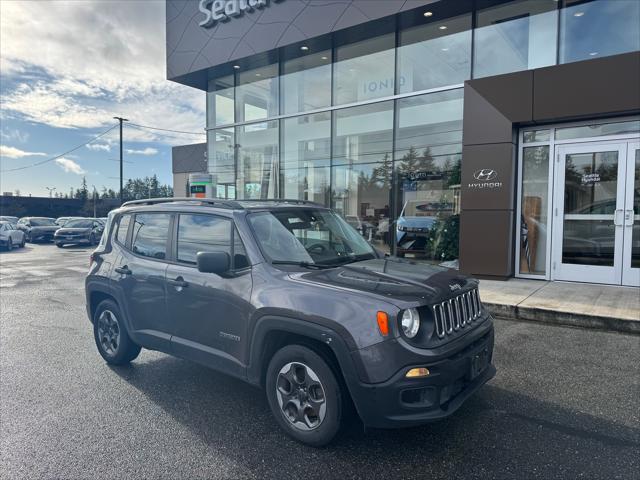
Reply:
x=10, y=236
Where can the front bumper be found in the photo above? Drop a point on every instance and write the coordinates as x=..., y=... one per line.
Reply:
x=71, y=240
x=41, y=236
x=406, y=402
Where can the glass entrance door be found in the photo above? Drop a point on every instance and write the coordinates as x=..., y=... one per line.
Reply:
x=588, y=213
x=631, y=255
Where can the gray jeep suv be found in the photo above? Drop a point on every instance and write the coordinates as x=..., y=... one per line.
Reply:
x=288, y=296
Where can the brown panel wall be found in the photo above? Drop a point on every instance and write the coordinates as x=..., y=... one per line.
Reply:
x=494, y=109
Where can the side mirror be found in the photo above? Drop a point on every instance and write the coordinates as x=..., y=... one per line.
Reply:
x=213, y=262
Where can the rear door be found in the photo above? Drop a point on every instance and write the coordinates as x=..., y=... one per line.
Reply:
x=209, y=312
x=139, y=276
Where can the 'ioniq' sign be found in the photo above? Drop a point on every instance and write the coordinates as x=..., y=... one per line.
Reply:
x=223, y=10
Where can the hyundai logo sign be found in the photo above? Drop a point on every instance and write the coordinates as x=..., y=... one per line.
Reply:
x=223, y=10
x=485, y=175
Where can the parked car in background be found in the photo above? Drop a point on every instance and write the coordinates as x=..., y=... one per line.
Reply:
x=37, y=228
x=62, y=220
x=288, y=296
x=11, y=220
x=79, y=231
x=10, y=236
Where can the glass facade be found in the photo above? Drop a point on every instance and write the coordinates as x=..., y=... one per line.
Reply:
x=373, y=126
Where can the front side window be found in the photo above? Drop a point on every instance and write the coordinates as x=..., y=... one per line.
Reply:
x=202, y=233
x=308, y=235
x=150, y=233
x=123, y=228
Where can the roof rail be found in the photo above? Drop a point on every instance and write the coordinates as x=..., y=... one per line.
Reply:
x=210, y=201
x=282, y=200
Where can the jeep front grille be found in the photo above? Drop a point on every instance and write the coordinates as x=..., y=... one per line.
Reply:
x=456, y=313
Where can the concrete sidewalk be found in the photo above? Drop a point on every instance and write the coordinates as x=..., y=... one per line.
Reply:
x=602, y=307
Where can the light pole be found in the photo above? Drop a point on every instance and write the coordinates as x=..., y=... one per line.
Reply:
x=51, y=189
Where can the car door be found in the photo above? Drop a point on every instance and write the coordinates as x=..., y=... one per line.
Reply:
x=139, y=278
x=209, y=312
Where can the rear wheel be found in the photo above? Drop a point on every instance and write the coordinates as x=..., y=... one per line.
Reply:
x=111, y=336
x=304, y=395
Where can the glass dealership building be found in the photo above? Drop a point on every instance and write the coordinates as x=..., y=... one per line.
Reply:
x=433, y=127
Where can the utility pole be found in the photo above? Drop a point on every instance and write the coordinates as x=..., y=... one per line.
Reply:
x=51, y=189
x=120, y=119
x=94, y=201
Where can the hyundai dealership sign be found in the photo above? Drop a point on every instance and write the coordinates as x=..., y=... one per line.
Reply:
x=223, y=10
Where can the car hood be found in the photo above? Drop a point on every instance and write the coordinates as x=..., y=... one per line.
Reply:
x=66, y=231
x=394, y=278
x=422, y=222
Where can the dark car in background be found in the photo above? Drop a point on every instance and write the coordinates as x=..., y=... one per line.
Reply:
x=10, y=236
x=62, y=220
x=11, y=220
x=288, y=296
x=79, y=231
x=37, y=228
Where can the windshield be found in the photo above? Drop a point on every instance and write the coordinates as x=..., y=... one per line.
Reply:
x=310, y=235
x=78, y=224
x=42, y=222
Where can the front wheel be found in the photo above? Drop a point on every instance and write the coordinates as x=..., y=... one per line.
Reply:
x=9, y=245
x=28, y=238
x=304, y=395
x=23, y=242
x=111, y=336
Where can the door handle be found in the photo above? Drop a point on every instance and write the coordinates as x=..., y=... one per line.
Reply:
x=629, y=218
x=615, y=218
x=123, y=270
x=178, y=282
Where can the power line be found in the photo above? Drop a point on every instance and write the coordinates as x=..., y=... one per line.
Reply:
x=165, y=129
x=61, y=155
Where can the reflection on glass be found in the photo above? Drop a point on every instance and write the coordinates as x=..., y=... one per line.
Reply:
x=365, y=70
x=591, y=186
x=598, y=28
x=306, y=83
x=428, y=154
x=532, y=136
x=362, y=173
x=305, y=158
x=515, y=36
x=221, y=161
x=597, y=130
x=431, y=56
x=535, y=204
x=257, y=94
x=635, y=235
x=257, y=160
x=220, y=101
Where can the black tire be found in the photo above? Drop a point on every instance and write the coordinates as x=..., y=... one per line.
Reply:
x=23, y=243
x=121, y=351
x=9, y=245
x=59, y=245
x=27, y=238
x=294, y=356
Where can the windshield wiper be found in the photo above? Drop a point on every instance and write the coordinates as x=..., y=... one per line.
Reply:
x=356, y=258
x=302, y=264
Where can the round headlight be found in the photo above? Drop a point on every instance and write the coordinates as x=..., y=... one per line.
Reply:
x=410, y=322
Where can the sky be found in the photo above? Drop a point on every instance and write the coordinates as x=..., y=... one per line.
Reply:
x=66, y=69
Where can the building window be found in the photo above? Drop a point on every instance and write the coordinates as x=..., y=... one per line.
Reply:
x=598, y=130
x=435, y=54
x=599, y=28
x=428, y=155
x=532, y=136
x=306, y=157
x=534, y=208
x=365, y=70
x=257, y=94
x=306, y=83
x=222, y=160
x=257, y=157
x=514, y=36
x=220, y=102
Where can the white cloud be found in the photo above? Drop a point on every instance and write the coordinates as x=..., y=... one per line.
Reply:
x=117, y=69
x=105, y=147
x=70, y=166
x=147, y=151
x=14, y=135
x=12, y=152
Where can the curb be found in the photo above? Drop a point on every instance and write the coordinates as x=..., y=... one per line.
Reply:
x=554, y=317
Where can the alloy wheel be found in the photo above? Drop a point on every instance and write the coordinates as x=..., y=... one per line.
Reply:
x=301, y=396
x=109, y=332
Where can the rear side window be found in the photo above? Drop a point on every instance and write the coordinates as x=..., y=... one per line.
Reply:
x=202, y=233
x=150, y=233
x=123, y=227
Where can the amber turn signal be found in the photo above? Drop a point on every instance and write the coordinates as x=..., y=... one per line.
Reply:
x=417, y=372
x=383, y=323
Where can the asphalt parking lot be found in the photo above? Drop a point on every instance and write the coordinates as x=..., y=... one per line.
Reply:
x=564, y=404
